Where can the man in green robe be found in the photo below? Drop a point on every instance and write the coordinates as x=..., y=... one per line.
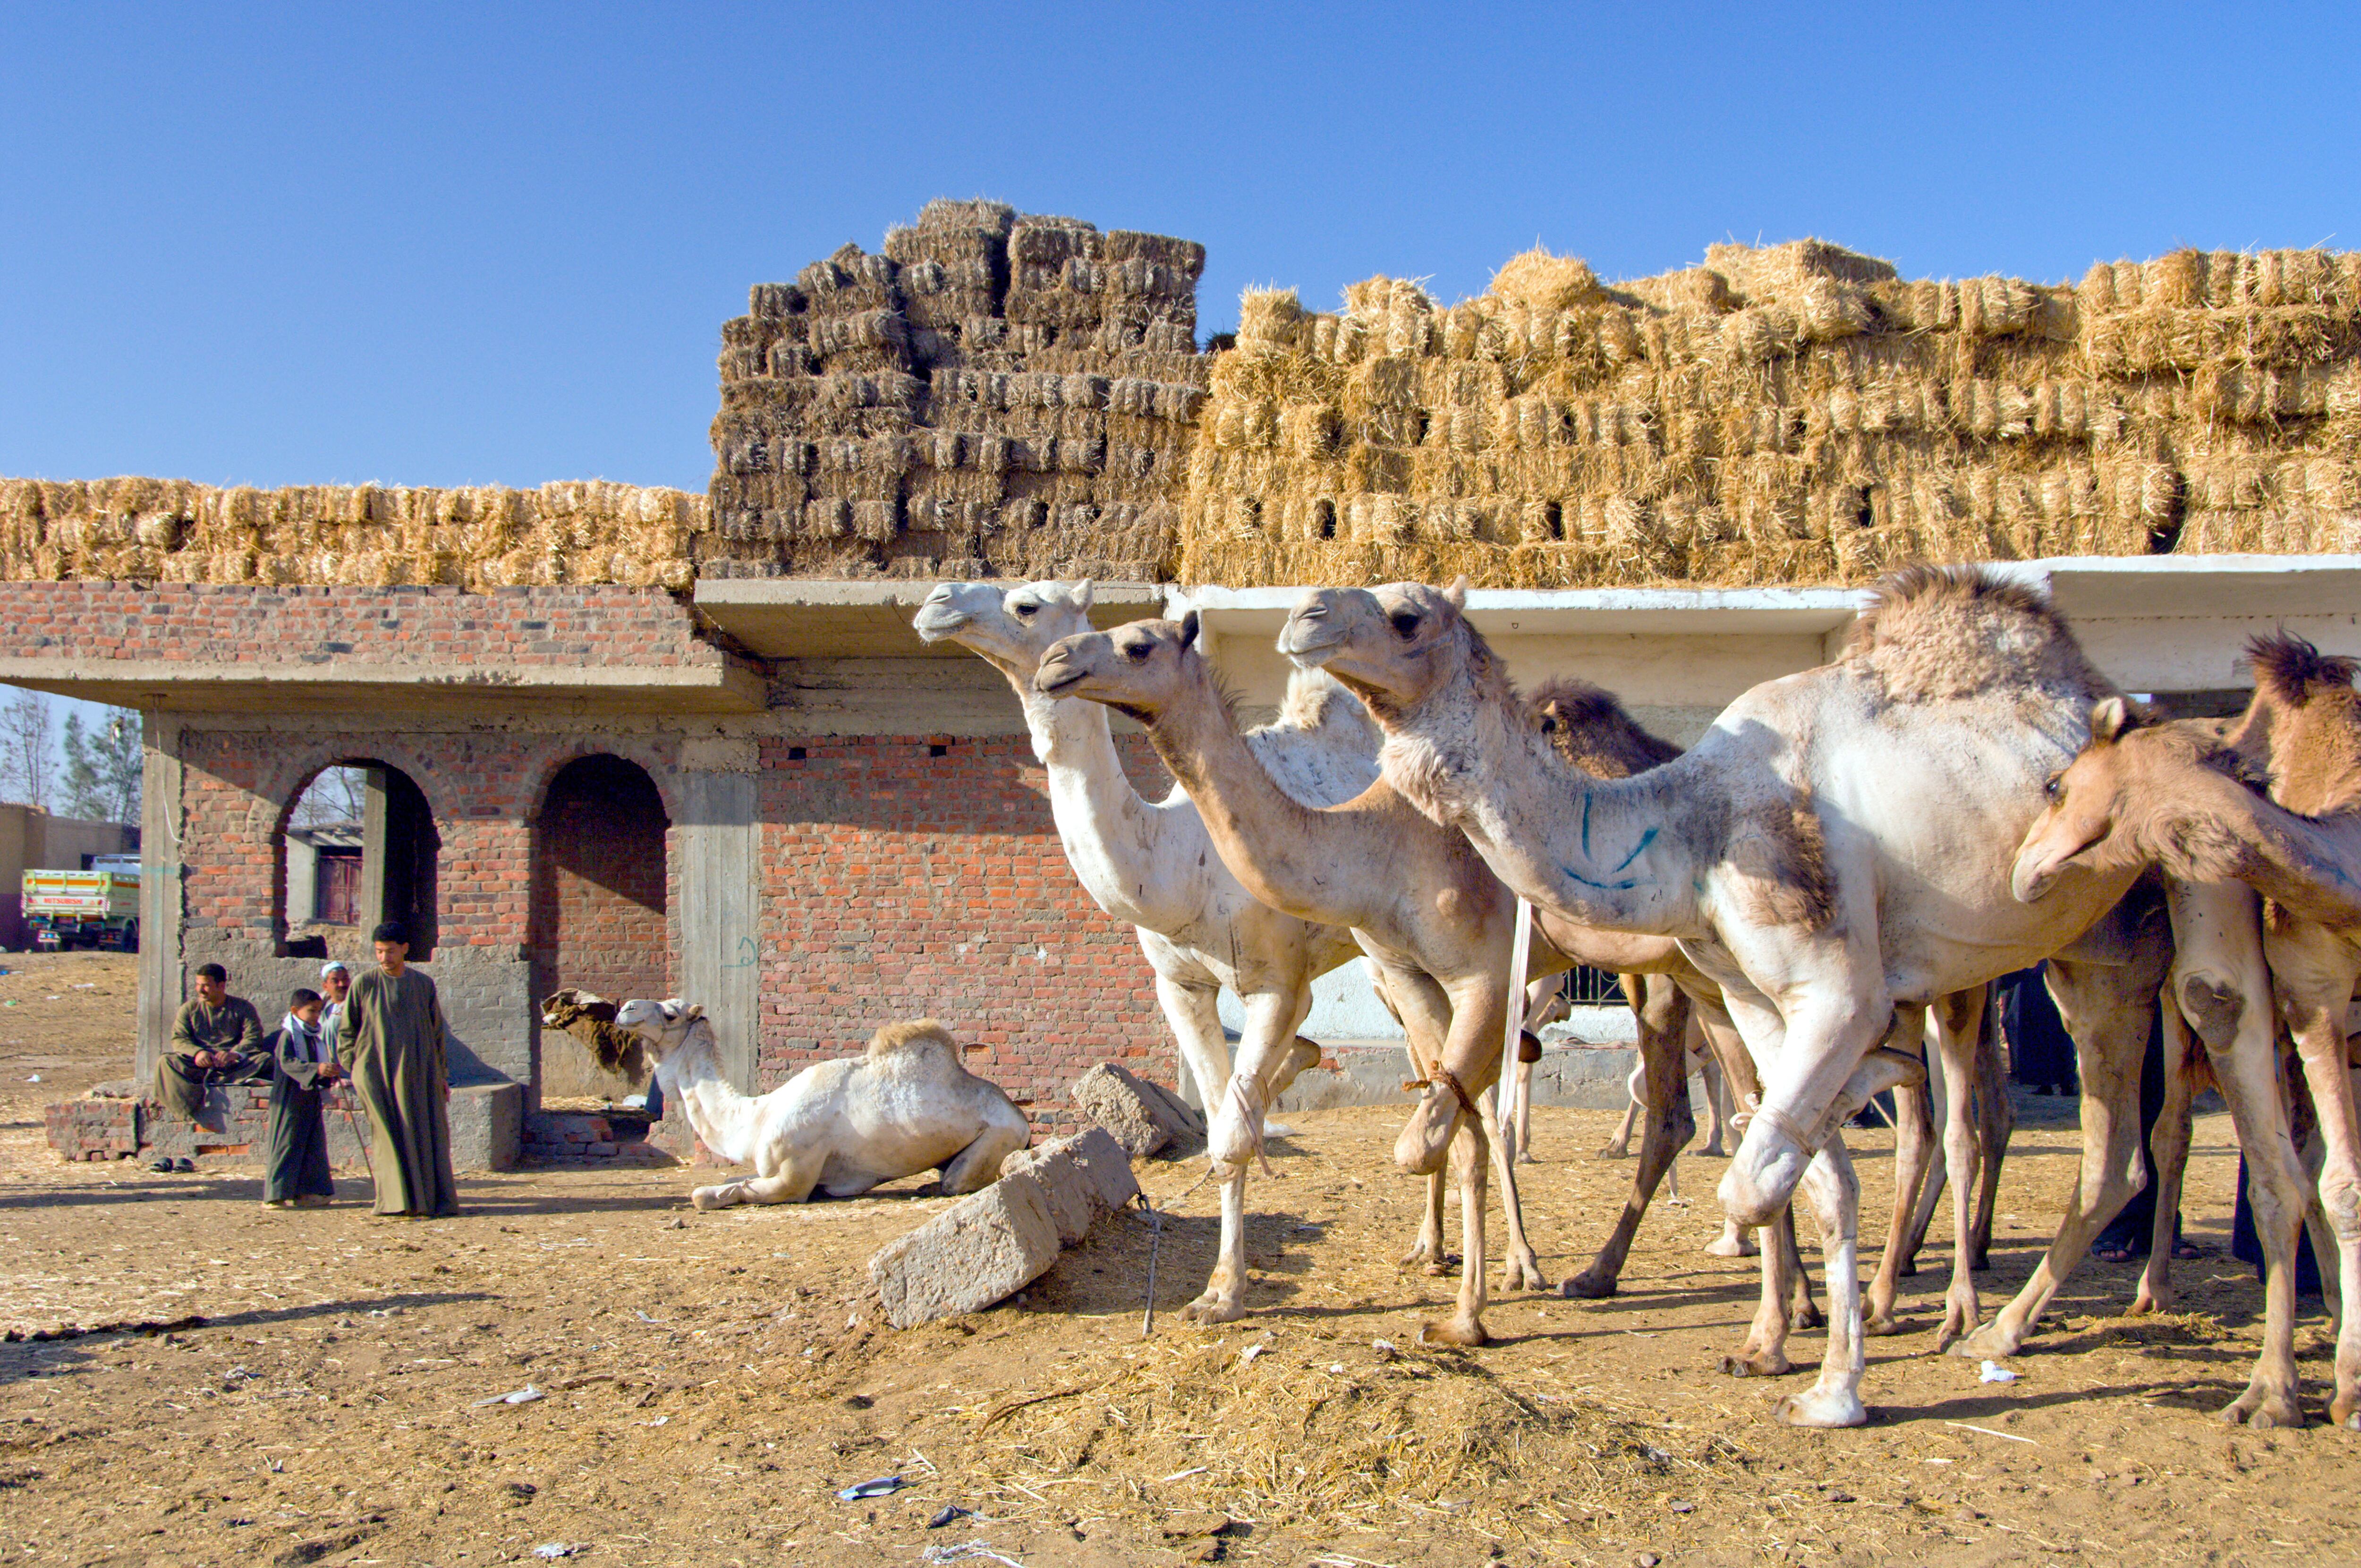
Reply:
x=216, y=1038
x=390, y=1036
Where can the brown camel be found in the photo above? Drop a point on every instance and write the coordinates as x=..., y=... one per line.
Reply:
x=1834, y=854
x=2158, y=788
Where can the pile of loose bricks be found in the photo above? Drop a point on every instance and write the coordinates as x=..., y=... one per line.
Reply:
x=589, y=1137
x=992, y=1244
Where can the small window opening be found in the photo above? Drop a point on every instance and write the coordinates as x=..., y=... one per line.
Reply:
x=935, y=750
x=795, y=753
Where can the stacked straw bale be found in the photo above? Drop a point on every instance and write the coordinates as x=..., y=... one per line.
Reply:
x=1795, y=413
x=171, y=530
x=995, y=395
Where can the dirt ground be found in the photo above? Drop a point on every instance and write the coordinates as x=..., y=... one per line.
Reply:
x=707, y=1383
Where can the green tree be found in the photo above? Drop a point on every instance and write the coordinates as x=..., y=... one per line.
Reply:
x=102, y=768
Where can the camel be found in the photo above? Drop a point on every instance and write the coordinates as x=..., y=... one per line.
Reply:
x=1698, y=1061
x=1813, y=861
x=903, y=1105
x=2154, y=791
x=1150, y=864
x=1437, y=923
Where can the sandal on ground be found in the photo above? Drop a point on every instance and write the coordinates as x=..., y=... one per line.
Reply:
x=2112, y=1254
x=2187, y=1250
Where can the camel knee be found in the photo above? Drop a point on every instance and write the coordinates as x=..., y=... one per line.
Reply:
x=2213, y=1008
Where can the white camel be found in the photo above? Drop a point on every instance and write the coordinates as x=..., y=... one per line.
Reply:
x=904, y=1106
x=1151, y=864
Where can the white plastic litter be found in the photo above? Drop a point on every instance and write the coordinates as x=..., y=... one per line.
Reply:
x=1246, y=1356
x=525, y=1396
x=554, y=1549
x=1994, y=1372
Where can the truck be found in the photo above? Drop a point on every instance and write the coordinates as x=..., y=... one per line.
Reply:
x=83, y=909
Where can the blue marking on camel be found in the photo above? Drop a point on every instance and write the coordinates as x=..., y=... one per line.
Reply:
x=1638, y=850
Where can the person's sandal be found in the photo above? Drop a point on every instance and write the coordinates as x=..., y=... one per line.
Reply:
x=184, y=1165
x=163, y=1163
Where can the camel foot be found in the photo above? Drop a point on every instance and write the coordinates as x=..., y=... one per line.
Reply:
x=1522, y=1274
x=1467, y=1333
x=1714, y=1150
x=1728, y=1244
x=1959, y=1317
x=1751, y=1363
x=1423, y=1253
x=1212, y=1308
x=1822, y=1407
x=1807, y=1315
x=1906, y=1269
x=1877, y=1306
x=2261, y=1406
x=1593, y=1284
x=1616, y=1151
x=1441, y=1268
x=2344, y=1410
x=1991, y=1342
x=2146, y=1301
x=1977, y=1262
x=711, y=1197
x=1886, y=1325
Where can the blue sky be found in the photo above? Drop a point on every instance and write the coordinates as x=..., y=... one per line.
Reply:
x=494, y=244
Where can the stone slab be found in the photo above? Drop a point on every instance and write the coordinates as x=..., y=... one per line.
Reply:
x=983, y=1249
x=1084, y=1177
x=1145, y=1118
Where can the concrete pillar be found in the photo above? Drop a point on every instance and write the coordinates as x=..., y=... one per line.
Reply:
x=159, y=889
x=720, y=934
x=368, y=909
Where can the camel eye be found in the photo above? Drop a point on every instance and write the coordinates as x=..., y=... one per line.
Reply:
x=1549, y=724
x=1025, y=609
x=1137, y=653
x=1405, y=623
x=2054, y=788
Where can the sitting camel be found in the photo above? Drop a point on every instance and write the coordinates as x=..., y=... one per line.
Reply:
x=1834, y=883
x=2165, y=790
x=903, y=1105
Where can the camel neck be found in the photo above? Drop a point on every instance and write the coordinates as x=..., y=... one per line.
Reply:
x=2210, y=827
x=1297, y=858
x=1117, y=843
x=1609, y=853
x=721, y=1114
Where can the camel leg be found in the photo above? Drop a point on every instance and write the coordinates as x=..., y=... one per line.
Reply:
x=1663, y=1063
x=1427, y=1253
x=1522, y=1132
x=2314, y=971
x=1959, y=1030
x=2223, y=989
x=2168, y=1145
x=1193, y=1011
x=1717, y=1092
x=1938, y=1178
x=1995, y=1121
x=1834, y=1398
x=1764, y=1351
x=2107, y=1012
x=1234, y=1116
x=1803, y=1312
x=1521, y=1270
x=1914, y=1139
x=1634, y=1101
x=1471, y=1159
x=1735, y=1069
x=789, y=1186
x=977, y=1165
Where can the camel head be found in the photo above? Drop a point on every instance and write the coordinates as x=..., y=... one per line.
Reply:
x=1393, y=647
x=662, y=1026
x=1135, y=669
x=1010, y=628
x=2087, y=822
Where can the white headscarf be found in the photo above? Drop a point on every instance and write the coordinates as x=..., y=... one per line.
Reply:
x=313, y=1039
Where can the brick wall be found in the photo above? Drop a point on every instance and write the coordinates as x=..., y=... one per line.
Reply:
x=196, y=623
x=899, y=884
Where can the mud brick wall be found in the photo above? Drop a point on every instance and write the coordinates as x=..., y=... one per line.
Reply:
x=199, y=623
x=93, y=1129
x=898, y=883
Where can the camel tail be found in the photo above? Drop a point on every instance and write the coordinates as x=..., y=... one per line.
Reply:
x=2293, y=670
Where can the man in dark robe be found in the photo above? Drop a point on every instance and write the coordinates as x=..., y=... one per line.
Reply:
x=389, y=1035
x=216, y=1038
x=298, y=1146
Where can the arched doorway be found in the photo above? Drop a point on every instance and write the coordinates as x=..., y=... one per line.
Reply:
x=599, y=888
x=356, y=846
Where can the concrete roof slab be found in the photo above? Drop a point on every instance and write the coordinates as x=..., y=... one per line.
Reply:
x=786, y=618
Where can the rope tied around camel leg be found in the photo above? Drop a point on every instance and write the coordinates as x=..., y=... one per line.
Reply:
x=1155, y=1244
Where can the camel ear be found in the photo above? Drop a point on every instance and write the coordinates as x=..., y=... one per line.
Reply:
x=1457, y=592
x=1189, y=628
x=1083, y=591
x=692, y=1015
x=2109, y=718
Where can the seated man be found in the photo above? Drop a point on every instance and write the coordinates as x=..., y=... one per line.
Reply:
x=217, y=1038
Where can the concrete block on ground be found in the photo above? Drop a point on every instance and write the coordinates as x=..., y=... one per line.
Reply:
x=988, y=1246
x=1145, y=1118
x=1085, y=1178
x=487, y=1125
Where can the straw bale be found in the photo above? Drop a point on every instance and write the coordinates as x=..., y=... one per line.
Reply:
x=1547, y=283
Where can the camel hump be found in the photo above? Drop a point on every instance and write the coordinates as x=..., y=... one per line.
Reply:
x=912, y=1043
x=2293, y=670
x=1937, y=632
x=1322, y=748
x=1592, y=730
